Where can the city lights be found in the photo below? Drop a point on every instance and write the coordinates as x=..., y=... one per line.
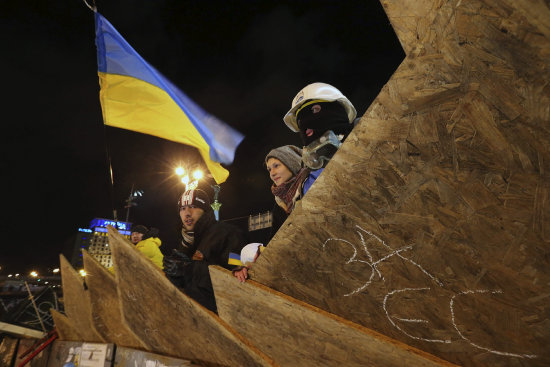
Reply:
x=189, y=185
x=197, y=175
x=33, y=274
x=82, y=272
x=55, y=271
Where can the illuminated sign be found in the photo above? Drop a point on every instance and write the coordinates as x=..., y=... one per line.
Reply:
x=104, y=230
x=103, y=223
x=85, y=230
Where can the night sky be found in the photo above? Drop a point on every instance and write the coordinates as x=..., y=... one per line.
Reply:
x=243, y=61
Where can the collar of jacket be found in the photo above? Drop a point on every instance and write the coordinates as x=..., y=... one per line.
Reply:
x=205, y=221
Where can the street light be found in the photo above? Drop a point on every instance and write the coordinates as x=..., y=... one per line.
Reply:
x=180, y=171
x=130, y=201
x=189, y=185
x=82, y=272
x=197, y=175
x=55, y=271
x=33, y=274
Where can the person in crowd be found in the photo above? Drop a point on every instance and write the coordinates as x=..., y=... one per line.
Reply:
x=323, y=117
x=148, y=243
x=288, y=176
x=207, y=242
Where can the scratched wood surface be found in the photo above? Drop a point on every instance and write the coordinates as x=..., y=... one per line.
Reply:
x=66, y=329
x=294, y=333
x=431, y=223
x=170, y=322
x=76, y=301
x=106, y=311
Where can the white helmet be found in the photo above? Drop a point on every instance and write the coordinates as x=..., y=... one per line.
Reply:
x=320, y=91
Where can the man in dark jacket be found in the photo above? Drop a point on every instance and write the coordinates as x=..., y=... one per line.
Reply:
x=207, y=242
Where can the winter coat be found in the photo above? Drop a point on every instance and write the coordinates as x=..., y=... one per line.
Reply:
x=215, y=240
x=150, y=248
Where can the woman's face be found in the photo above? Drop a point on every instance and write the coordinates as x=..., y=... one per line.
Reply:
x=278, y=172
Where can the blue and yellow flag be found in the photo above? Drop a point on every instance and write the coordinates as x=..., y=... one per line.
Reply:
x=234, y=259
x=135, y=96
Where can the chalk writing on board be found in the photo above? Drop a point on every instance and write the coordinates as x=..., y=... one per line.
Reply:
x=375, y=272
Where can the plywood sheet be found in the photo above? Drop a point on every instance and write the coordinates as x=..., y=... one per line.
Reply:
x=77, y=302
x=294, y=333
x=106, y=311
x=431, y=224
x=170, y=322
x=66, y=329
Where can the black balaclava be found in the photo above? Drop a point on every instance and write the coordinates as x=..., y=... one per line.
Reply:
x=331, y=116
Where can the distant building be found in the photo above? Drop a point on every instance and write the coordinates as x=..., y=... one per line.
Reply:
x=260, y=221
x=95, y=241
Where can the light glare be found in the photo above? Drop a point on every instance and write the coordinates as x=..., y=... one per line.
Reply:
x=197, y=175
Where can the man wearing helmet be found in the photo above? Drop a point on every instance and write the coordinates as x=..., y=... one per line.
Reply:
x=207, y=242
x=317, y=108
x=324, y=117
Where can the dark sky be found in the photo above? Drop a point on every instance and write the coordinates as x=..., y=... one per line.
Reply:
x=242, y=61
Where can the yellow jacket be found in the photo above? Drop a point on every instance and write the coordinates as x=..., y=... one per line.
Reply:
x=150, y=248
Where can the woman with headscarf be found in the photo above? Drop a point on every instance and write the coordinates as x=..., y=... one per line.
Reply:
x=284, y=165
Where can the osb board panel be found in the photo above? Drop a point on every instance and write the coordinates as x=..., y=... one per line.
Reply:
x=294, y=333
x=170, y=322
x=431, y=223
x=77, y=302
x=66, y=330
x=106, y=312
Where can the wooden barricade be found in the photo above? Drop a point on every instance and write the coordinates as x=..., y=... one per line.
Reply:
x=431, y=224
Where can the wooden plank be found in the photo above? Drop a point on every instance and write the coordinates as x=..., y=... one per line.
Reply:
x=66, y=330
x=294, y=333
x=170, y=322
x=430, y=224
x=77, y=302
x=106, y=311
x=20, y=331
x=8, y=349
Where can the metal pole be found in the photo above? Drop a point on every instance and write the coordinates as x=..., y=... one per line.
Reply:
x=34, y=305
x=129, y=203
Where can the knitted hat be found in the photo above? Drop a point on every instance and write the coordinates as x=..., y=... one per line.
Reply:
x=289, y=155
x=196, y=198
x=140, y=229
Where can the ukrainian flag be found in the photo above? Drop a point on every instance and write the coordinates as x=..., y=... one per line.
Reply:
x=234, y=259
x=135, y=96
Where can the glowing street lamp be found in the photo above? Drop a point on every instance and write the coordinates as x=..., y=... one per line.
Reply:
x=33, y=274
x=82, y=272
x=197, y=175
x=189, y=183
x=55, y=271
x=180, y=171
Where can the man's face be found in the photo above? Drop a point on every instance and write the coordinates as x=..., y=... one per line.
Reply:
x=189, y=216
x=135, y=237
